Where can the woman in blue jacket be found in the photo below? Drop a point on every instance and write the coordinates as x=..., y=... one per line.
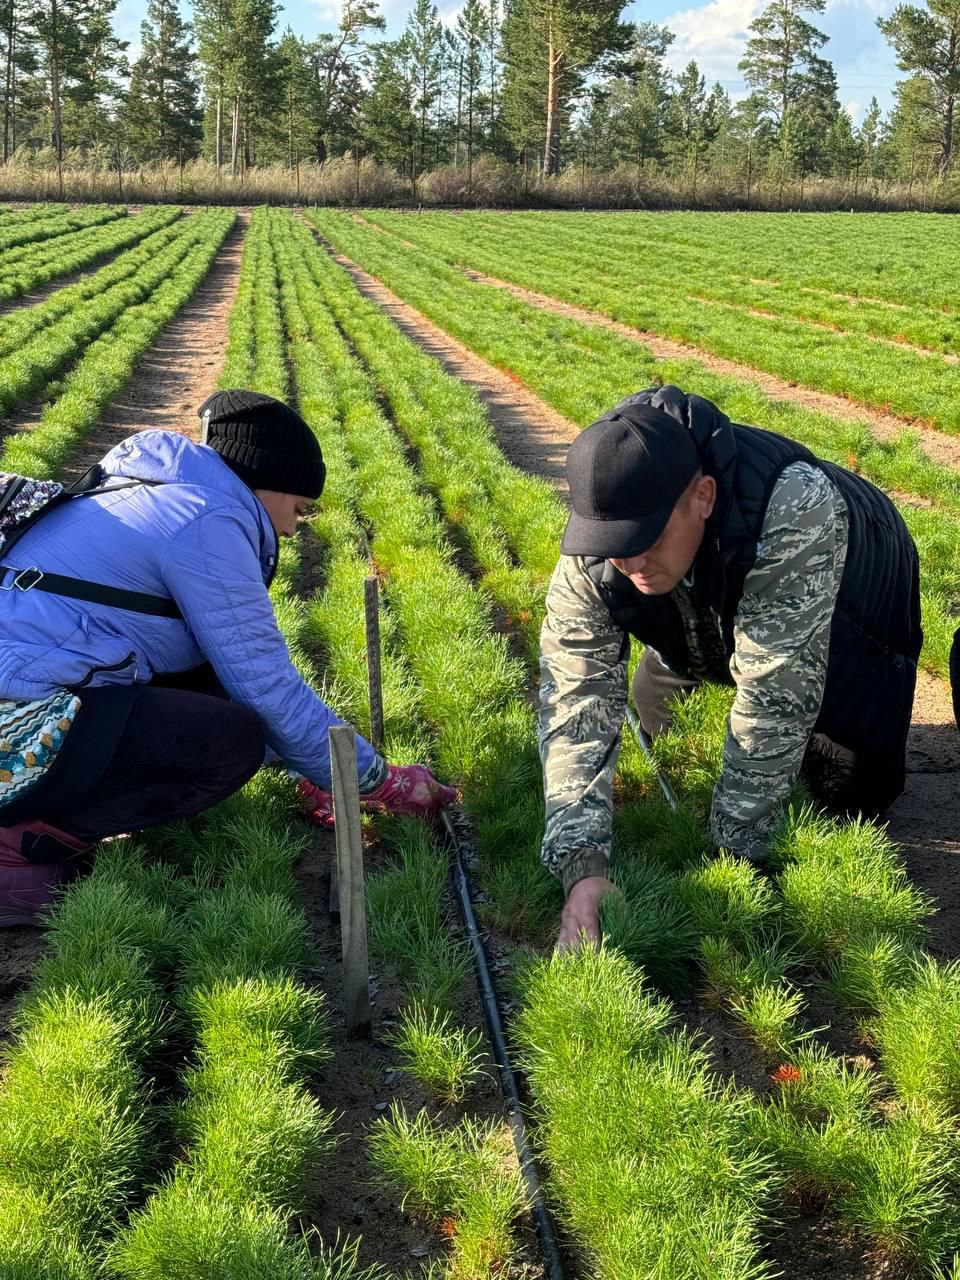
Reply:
x=115, y=719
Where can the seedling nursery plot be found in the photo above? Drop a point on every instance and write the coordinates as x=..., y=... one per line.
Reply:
x=756, y=1075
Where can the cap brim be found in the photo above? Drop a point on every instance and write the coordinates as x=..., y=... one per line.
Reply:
x=613, y=539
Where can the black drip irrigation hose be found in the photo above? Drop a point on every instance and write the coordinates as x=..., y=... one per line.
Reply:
x=646, y=746
x=542, y=1218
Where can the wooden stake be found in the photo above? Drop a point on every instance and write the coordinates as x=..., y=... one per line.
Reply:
x=371, y=602
x=353, y=907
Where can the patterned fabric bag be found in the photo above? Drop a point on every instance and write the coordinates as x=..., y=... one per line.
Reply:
x=22, y=500
x=31, y=735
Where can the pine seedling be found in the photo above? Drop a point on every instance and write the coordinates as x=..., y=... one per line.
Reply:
x=73, y=1114
x=104, y=913
x=727, y=899
x=845, y=883
x=445, y=1059
x=413, y=1155
x=672, y=838
x=252, y=1136
x=866, y=974
x=405, y=911
x=732, y=972
x=814, y=1122
x=648, y=922
x=263, y=1019
x=916, y=1033
x=751, y=982
x=904, y=1195
x=466, y=1177
x=949, y=1270
x=35, y=1242
x=192, y=1231
x=769, y=1014
x=240, y=933
x=691, y=750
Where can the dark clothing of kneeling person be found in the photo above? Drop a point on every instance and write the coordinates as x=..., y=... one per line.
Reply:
x=114, y=720
x=733, y=555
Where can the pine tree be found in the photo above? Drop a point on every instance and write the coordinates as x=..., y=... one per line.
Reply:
x=927, y=44
x=471, y=29
x=549, y=46
x=19, y=64
x=250, y=65
x=92, y=87
x=337, y=62
x=640, y=96
x=76, y=57
x=916, y=138
x=287, y=132
x=162, y=114
x=870, y=136
x=388, y=117
x=782, y=61
x=211, y=24
x=424, y=36
x=693, y=122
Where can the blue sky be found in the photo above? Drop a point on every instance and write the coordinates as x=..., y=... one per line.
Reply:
x=713, y=33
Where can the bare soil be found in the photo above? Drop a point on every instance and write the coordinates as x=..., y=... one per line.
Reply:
x=180, y=370
x=532, y=435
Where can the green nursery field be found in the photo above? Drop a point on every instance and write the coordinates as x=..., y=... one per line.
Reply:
x=757, y=1075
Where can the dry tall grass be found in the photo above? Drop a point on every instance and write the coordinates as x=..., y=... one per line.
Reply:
x=85, y=175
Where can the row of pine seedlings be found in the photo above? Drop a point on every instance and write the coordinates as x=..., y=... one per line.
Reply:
x=447, y=1166
x=184, y=947
x=581, y=369
x=877, y=1146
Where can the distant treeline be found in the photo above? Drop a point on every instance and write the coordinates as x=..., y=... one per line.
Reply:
x=540, y=101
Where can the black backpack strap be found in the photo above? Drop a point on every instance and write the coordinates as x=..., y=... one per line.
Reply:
x=94, y=592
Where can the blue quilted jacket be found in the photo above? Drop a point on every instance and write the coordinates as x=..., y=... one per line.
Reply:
x=200, y=536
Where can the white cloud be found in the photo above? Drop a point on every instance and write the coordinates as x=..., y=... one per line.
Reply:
x=714, y=35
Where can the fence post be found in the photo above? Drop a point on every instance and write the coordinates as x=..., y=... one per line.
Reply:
x=371, y=607
x=353, y=907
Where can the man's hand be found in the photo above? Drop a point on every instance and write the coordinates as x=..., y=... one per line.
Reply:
x=580, y=921
x=409, y=790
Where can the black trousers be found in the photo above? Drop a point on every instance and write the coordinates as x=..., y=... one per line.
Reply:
x=843, y=782
x=140, y=756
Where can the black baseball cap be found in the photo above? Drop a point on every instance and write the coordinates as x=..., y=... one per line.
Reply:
x=626, y=473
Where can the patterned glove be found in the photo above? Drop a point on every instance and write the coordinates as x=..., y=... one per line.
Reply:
x=409, y=790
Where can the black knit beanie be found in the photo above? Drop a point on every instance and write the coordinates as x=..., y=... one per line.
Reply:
x=265, y=442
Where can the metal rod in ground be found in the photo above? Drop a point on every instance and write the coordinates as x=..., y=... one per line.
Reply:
x=353, y=906
x=371, y=608
x=646, y=746
x=543, y=1221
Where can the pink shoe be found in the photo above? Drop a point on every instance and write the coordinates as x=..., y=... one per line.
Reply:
x=28, y=888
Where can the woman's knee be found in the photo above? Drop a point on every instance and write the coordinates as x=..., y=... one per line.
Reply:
x=244, y=741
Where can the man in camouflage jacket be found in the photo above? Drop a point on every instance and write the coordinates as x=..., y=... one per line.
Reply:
x=734, y=555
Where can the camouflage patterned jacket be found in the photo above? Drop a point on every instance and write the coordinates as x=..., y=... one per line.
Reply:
x=781, y=639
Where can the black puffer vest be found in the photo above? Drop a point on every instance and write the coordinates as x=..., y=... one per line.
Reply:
x=875, y=637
